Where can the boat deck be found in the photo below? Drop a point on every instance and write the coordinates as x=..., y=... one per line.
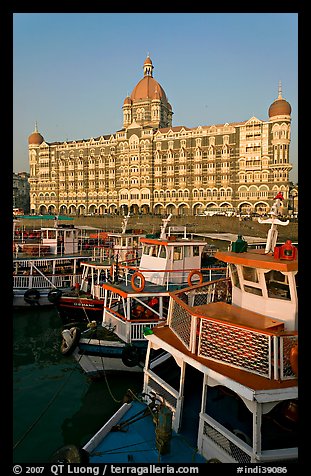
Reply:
x=137, y=444
x=247, y=379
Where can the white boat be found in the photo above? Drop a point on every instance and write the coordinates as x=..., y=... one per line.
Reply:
x=137, y=298
x=227, y=380
x=46, y=266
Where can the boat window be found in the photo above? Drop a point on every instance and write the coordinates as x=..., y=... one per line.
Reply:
x=235, y=276
x=146, y=249
x=51, y=234
x=277, y=285
x=154, y=251
x=196, y=250
x=253, y=290
x=177, y=253
x=162, y=253
x=250, y=274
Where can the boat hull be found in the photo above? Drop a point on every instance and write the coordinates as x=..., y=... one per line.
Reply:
x=98, y=357
x=83, y=309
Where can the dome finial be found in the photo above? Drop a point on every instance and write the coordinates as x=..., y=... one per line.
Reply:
x=280, y=90
x=36, y=126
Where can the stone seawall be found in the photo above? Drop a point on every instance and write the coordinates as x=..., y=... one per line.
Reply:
x=152, y=223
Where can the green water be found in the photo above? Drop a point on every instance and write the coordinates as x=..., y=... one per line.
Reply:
x=54, y=402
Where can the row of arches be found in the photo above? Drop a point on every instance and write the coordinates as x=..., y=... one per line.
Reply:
x=159, y=208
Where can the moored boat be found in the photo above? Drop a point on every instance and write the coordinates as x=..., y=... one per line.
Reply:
x=138, y=297
x=46, y=266
x=227, y=377
x=86, y=301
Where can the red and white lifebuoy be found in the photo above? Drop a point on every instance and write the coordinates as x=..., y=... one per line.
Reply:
x=138, y=275
x=194, y=273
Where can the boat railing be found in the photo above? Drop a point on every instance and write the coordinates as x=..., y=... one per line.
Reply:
x=262, y=352
x=128, y=330
x=166, y=277
x=43, y=282
x=154, y=383
x=213, y=435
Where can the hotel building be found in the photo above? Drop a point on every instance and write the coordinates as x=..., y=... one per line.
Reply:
x=151, y=166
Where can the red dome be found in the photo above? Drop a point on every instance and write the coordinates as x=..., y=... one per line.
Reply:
x=35, y=138
x=280, y=107
x=148, y=88
x=127, y=100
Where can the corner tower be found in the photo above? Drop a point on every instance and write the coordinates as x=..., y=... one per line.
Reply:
x=147, y=105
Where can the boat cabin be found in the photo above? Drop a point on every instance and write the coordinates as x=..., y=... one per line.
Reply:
x=126, y=246
x=62, y=239
x=264, y=283
x=170, y=259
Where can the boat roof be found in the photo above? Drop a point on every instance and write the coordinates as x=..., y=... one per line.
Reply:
x=172, y=241
x=257, y=259
x=52, y=258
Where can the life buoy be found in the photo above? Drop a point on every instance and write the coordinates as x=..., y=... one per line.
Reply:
x=194, y=273
x=142, y=281
x=54, y=295
x=32, y=296
x=293, y=359
x=70, y=340
x=70, y=454
x=130, y=355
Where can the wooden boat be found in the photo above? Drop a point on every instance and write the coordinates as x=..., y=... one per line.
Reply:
x=135, y=298
x=226, y=381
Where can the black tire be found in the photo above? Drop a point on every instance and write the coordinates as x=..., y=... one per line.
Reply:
x=130, y=355
x=32, y=296
x=54, y=295
x=68, y=349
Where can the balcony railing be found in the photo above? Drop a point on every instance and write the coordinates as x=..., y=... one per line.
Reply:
x=262, y=352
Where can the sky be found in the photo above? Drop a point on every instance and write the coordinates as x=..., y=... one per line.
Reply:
x=72, y=71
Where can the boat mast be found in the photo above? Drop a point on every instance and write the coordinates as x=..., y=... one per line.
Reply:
x=273, y=232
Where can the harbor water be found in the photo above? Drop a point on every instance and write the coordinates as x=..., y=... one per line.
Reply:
x=54, y=402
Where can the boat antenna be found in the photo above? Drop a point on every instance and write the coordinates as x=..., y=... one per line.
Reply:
x=163, y=227
x=275, y=212
x=124, y=222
